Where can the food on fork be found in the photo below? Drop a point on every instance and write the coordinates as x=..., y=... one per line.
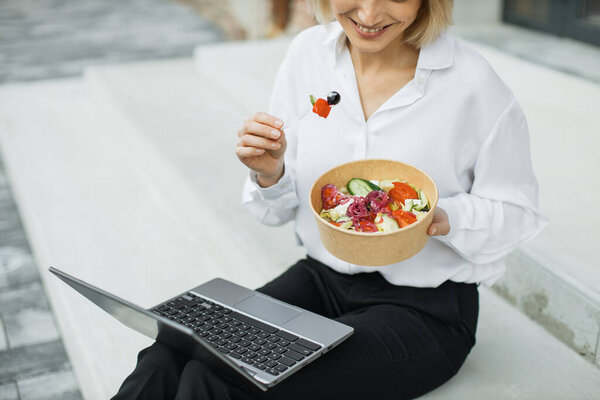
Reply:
x=322, y=107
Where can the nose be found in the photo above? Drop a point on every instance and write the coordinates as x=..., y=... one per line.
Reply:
x=369, y=11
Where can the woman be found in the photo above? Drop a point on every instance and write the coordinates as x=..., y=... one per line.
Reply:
x=408, y=92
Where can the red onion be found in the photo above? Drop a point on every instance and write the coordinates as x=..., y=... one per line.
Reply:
x=358, y=209
x=377, y=200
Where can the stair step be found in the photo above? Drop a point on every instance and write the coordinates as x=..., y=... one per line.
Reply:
x=110, y=176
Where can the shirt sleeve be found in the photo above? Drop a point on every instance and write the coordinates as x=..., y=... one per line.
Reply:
x=501, y=211
x=277, y=204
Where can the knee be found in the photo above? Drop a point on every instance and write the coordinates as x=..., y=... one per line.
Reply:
x=160, y=355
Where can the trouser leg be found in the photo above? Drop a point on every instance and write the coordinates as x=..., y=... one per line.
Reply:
x=156, y=375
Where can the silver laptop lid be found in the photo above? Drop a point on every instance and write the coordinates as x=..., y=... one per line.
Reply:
x=157, y=328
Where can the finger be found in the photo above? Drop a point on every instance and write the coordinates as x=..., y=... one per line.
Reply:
x=268, y=119
x=260, y=142
x=438, y=229
x=256, y=128
x=243, y=151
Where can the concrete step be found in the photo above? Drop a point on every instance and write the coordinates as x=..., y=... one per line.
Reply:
x=111, y=176
x=100, y=202
x=554, y=279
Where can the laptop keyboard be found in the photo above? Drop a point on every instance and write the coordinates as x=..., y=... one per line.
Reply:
x=239, y=336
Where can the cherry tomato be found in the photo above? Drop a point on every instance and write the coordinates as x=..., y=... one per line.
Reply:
x=401, y=192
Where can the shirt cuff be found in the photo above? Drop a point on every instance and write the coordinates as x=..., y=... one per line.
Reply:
x=283, y=185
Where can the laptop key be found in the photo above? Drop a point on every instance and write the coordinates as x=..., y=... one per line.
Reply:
x=280, y=349
x=260, y=366
x=251, y=337
x=235, y=355
x=223, y=350
x=270, y=346
x=260, y=342
x=308, y=344
x=251, y=354
x=253, y=322
x=260, y=359
x=254, y=347
x=241, y=350
x=274, y=356
x=231, y=346
x=270, y=363
x=264, y=352
x=300, y=349
x=281, y=368
x=175, y=305
x=273, y=338
x=287, y=361
x=225, y=335
x=221, y=342
x=293, y=355
x=272, y=371
x=234, y=339
x=244, y=343
x=264, y=335
x=287, y=336
x=283, y=343
x=246, y=360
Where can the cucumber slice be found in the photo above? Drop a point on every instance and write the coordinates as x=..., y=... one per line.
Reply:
x=424, y=206
x=360, y=187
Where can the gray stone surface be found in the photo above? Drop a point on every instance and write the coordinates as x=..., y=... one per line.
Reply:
x=561, y=54
x=9, y=392
x=30, y=361
x=30, y=326
x=57, y=385
x=56, y=38
x=3, y=343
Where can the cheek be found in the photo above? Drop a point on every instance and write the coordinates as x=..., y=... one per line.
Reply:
x=342, y=6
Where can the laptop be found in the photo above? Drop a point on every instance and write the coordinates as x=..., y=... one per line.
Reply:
x=243, y=334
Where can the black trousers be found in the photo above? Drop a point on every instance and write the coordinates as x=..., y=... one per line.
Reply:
x=407, y=341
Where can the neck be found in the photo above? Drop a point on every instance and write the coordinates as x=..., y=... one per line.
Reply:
x=395, y=56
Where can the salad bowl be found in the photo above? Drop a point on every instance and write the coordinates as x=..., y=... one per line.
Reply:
x=379, y=248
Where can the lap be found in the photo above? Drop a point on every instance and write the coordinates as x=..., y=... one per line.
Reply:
x=392, y=354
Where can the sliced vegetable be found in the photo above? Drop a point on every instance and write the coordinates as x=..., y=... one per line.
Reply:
x=424, y=202
x=385, y=223
x=322, y=108
x=404, y=218
x=361, y=187
x=365, y=226
x=401, y=192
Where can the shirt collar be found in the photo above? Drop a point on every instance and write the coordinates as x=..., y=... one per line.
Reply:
x=438, y=54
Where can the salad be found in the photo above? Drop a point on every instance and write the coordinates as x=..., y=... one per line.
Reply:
x=373, y=206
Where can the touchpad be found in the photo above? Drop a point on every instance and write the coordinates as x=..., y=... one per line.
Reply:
x=266, y=309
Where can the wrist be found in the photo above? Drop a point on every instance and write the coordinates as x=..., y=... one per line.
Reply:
x=267, y=180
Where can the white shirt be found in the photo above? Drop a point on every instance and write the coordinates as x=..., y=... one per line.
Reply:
x=456, y=120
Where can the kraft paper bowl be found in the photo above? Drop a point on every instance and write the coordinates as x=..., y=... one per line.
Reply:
x=374, y=249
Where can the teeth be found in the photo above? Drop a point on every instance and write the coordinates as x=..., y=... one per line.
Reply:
x=362, y=28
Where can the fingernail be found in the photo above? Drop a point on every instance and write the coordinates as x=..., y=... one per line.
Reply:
x=275, y=133
x=434, y=231
x=278, y=122
x=275, y=145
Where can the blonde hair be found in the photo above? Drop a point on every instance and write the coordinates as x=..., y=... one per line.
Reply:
x=432, y=20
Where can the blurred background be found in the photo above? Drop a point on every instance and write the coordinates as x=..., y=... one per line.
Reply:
x=117, y=165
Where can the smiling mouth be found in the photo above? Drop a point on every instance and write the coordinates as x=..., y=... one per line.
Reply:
x=367, y=29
